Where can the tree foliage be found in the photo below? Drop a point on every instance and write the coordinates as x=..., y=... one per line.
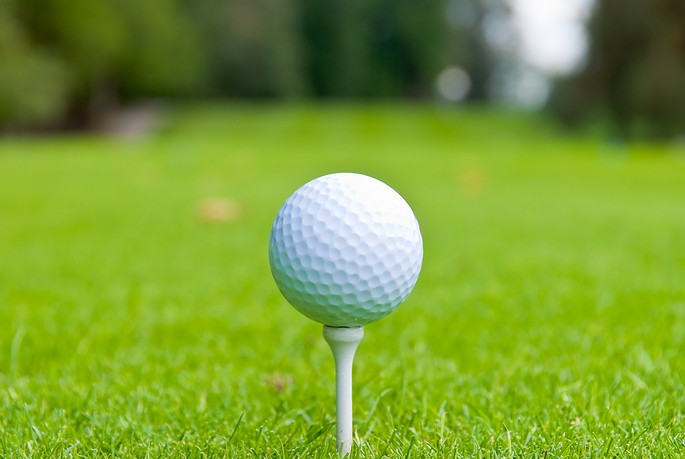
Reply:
x=68, y=61
x=34, y=84
x=635, y=72
x=252, y=46
x=164, y=55
x=373, y=48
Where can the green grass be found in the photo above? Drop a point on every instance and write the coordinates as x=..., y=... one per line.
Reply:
x=548, y=321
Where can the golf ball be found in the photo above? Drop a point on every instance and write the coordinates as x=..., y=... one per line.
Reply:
x=345, y=250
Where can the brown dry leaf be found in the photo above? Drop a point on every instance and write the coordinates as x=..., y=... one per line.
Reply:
x=219, y=210
x=472, y=180
x=279, y=381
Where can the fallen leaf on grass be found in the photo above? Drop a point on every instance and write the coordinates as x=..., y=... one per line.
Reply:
x=219, y=210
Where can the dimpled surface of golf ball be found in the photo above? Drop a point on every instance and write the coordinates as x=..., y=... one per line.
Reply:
x=345, y=250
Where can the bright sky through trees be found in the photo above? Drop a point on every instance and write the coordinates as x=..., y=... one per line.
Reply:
x=551, y=32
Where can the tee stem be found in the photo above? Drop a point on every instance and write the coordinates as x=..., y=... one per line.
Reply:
x=343, y=343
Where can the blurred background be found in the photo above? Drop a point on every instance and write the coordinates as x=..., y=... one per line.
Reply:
x=616, y=64
x=146, y=146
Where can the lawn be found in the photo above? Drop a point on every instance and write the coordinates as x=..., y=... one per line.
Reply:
x=138, y=316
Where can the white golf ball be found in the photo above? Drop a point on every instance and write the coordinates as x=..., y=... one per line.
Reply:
x=345, y=250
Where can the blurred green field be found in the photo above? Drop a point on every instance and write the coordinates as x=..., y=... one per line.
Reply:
x=138, y=317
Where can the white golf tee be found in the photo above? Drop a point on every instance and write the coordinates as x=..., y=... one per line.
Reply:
x=343, y=343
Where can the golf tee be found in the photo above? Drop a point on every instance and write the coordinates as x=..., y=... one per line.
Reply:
x=343, y=342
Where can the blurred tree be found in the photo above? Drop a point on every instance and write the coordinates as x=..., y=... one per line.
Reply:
x=409, y=46
x=34, y=84
x=252, y=46
x=70, y=61
x=164, y=54
x=470, y=49
x=88, y=35
x=334, y=38
x=373, y=48
x=73, y=60
x=635, y=71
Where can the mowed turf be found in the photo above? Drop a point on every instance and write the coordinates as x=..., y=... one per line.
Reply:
x=138, y=317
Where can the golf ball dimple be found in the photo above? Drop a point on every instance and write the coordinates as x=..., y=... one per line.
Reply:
x=345, y=250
